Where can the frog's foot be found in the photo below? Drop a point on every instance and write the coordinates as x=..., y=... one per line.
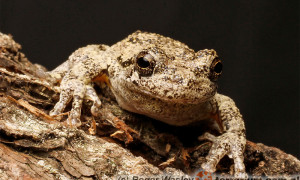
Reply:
x=78, y=91
x=92, y=95
x=228, y=143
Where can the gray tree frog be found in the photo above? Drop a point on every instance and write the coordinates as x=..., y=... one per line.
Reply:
x=158, y=77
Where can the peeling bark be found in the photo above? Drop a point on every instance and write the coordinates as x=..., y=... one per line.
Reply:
x=34, y=145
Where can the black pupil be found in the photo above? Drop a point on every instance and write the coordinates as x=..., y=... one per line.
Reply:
x=218, y=67
x=143, y=63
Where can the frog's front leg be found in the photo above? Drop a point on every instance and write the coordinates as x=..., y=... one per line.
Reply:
x=77, y=90
x=84, y=65
x=232, y=142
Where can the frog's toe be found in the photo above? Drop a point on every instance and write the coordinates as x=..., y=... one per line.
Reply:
x=208, y=167
x=241, y=175
x=207, y=136
x=238, y=158
x=73, y=122
x=64, y=98
x=216, y=153
x=74, y=117
x=91, y=94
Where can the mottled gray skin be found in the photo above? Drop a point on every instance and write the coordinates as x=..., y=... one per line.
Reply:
x=176, y=85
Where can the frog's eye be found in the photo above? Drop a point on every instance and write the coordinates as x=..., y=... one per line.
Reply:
x=145, y=64
x=216, y=69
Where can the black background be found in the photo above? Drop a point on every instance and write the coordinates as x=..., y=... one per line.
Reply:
x=258, y=42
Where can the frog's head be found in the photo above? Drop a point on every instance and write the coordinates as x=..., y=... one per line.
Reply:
x=162, y=68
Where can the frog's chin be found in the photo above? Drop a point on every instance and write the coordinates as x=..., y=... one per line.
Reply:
x=139, y=94
x=188, y=101
x=189, y=97
x=180, y=100
x=194, y=91
x=179, y=95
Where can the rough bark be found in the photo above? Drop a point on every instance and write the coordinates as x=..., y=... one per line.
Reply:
x=34, y=145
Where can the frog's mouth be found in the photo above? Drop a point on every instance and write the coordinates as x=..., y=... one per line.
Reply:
x=180, y=99
x=199, y=92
